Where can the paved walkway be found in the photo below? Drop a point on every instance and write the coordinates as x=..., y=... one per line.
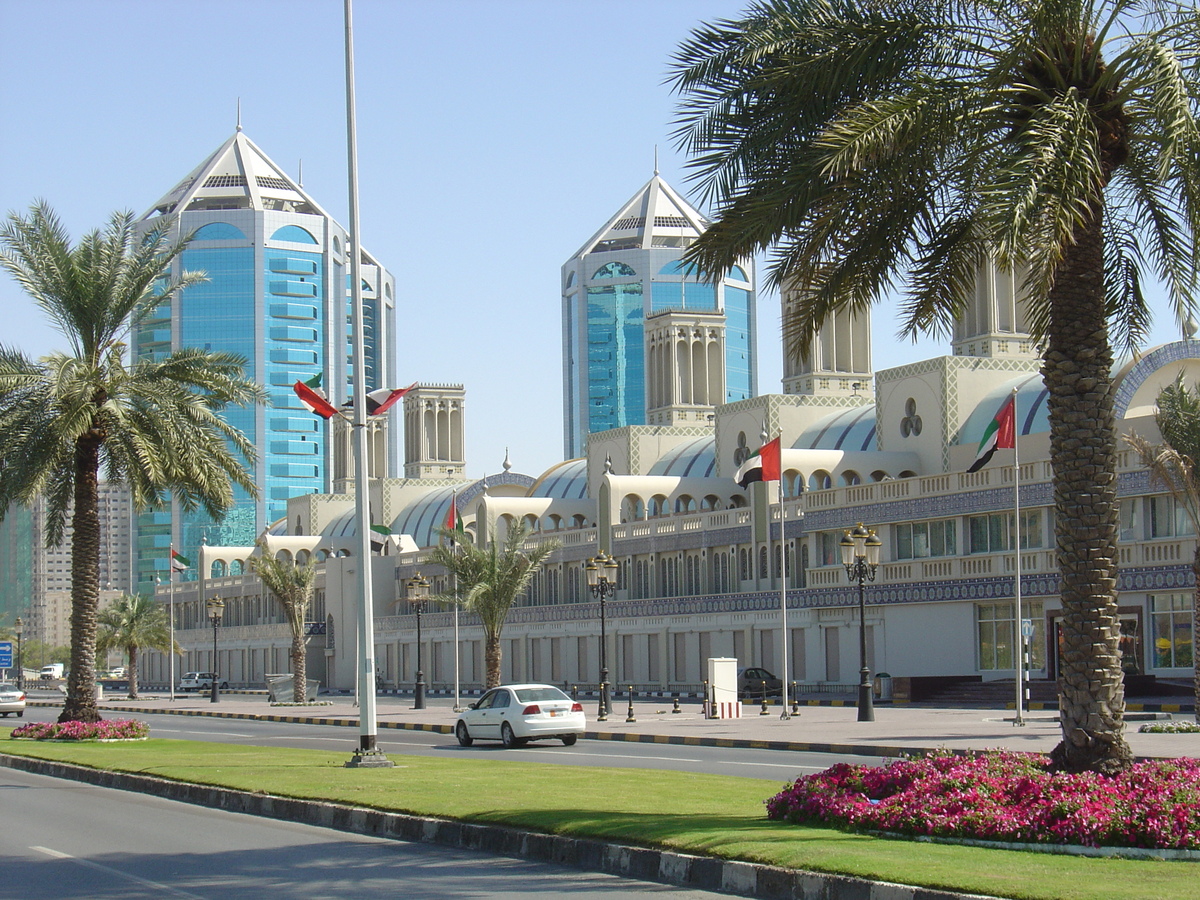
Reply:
x=832, y=726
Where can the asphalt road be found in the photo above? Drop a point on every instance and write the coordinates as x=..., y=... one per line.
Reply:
x=63, y=840
x=773, y=765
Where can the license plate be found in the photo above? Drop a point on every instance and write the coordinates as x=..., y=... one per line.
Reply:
x=554, y=712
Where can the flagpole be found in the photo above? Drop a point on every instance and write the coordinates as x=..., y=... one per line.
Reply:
x=367, y=754
x=783, y=640
x=1019, y=638
x=171, y=612
x=454, y=594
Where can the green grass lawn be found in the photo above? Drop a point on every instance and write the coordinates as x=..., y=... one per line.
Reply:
x=704, y=814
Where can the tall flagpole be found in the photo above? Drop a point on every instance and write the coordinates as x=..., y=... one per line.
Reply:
x=1019, y=638
x=783, y=641
x=367, y=754
x=171, y=616
x=454, y=594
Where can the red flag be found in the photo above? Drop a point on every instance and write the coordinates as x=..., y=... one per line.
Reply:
x=764, y=465
x=380, y=401
x=314, y=401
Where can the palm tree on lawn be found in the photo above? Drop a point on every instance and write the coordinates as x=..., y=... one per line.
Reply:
x=130, y=624
x=1173, y=463
x=874, y=143
x=151, y=423
x=291, y=584
x=489, y=580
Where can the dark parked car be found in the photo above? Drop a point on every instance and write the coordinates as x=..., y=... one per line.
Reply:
x=751, y=680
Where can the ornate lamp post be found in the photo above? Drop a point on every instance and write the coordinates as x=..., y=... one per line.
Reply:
x=216, y=609
x=418, y=595
x=601, y=572
x=860, y=556
x=18, y=630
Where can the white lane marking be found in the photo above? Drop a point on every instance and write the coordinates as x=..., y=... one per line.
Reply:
x=155, y=885
x=217, y=733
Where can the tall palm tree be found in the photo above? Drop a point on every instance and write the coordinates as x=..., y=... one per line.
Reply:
x=873, y=143
x=489, y=579
x=132, y=623
x=1173, y=464
x=153, y=424
x=291, y=584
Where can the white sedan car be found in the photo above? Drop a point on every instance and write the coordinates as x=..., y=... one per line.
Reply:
x=12, y=700
x=515, y=714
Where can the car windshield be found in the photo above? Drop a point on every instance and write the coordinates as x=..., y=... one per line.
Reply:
x=533, y=695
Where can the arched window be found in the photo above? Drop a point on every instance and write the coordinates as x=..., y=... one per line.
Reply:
x=337, y=245
x=820, y=480
x=737, y=273
x=614, y=270
x=745, y=564
x=302, y=557
x=570, y=280
x=236, y=567
x=218, y=569
x=851, y=478
x=284, y=556
x=762, y=562
x=219, y=231
x=293, y=233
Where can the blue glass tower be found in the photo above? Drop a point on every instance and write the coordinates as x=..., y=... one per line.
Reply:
x=629, y=269
x=277, y=294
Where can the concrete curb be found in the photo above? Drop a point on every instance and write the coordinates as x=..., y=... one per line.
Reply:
x=743, y=879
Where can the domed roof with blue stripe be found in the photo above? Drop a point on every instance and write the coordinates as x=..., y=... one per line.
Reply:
x=696, y=458
x=1032, y=415
x=849, y=429
x=422, y=516
x=565, y=481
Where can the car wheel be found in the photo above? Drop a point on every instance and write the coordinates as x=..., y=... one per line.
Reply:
x=569, y=739
x=21, y=714
x=507, y=737
x=4, y=714
x=464, y=736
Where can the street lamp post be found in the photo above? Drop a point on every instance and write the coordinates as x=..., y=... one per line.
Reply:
x=601, y=573
x=860, y=556
x=418, y=595
x=18, y=630
x=216, y=609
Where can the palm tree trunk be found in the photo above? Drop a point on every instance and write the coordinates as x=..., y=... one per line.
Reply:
x=132, y=671
x=491, y=657
x=80, y=705
x=1078, y=375
x=299, y=668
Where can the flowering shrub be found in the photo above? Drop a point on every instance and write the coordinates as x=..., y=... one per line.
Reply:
x=1170, y=728
x=1004, y=797
x=109, y=730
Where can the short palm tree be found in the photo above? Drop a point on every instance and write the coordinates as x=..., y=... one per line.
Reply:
x=291, y=584
x=132, y=623
x=873, y=143
x=1174, y=465
x=153, y=424
x=489, y=580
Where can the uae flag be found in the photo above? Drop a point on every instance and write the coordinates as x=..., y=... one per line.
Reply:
x=380, y=401
x=762, y=465
x=453, y=519
x=179, y=562
x=1001, y=434
x=313, y=397
x=379, y=537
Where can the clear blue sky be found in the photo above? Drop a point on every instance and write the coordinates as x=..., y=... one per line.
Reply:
x=495, y=137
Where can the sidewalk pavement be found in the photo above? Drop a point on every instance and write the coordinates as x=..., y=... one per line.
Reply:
x=821, y=725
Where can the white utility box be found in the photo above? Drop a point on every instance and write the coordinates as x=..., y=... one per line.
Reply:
x=722, y=701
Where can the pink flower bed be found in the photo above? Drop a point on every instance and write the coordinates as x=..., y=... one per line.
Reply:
x=1006, y=797
x=107, y=730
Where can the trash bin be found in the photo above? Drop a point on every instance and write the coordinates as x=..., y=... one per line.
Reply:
x=883, y=686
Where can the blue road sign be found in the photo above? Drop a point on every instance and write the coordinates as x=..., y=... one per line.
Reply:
x=6, y=656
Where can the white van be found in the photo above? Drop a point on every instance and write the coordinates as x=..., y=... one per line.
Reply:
x=52, y=672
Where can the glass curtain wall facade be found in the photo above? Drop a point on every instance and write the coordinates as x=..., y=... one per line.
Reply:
x=630, y=269
x=278, y=295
